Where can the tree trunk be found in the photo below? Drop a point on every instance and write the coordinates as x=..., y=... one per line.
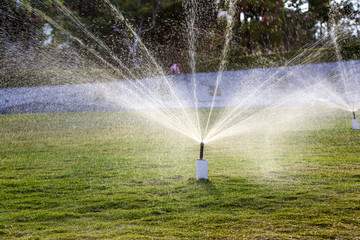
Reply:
x=285, y=31
x=247, y=34
x=34, y=42
x=134, y=51
x=358, y=21
x=3, y=37
x=133, y=45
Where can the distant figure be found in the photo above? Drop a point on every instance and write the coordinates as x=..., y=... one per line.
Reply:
x=175, y=69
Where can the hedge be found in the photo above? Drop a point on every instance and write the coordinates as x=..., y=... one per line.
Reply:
x=307, y=56
x=291, y=58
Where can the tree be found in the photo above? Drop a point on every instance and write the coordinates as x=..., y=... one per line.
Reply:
x=19, y=34
x=320, y=11
x=258, y=25
x=139, y=17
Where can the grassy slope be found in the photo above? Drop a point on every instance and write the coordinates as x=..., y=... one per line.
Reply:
x=109, y=175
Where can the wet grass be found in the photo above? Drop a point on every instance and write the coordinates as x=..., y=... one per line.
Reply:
x=115, y=176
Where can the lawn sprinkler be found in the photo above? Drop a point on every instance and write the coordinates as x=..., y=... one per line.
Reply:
x=201, y=165
x=355, y=122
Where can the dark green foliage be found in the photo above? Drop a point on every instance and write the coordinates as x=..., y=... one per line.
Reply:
x=350, y=52
x=36, y=78
x=53, y=40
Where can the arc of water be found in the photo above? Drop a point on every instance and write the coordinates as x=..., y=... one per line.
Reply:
x=172, y=122
x=350, y=104
x=56, y=25
x=228, y=37
x=119, y=14
x=122, y=18
x=193, y=7
x=355, y=74
x=228, y=117
x=179, y=123
x=235, y=129
x=219, y=125
x=231, y=130
x=78, y=22
x=235, y=111
x=339, y=102
x=343, y=78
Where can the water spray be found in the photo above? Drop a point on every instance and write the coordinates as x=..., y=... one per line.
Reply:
x=355, y=122
x=201, y=165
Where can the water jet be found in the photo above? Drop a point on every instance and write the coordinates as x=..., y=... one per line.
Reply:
x=206, y=105
x=201, y=165
x=355, y=122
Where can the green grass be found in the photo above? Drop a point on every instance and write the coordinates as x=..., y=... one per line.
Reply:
x=116, y=176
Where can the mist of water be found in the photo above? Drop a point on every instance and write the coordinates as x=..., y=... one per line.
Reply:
x=249, y=106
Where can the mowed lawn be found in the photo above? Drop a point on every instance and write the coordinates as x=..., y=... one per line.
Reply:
x=118, y=176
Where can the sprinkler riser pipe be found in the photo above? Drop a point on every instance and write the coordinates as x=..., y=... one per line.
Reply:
x=355, y=124
x=201, y=150
x=201, y=169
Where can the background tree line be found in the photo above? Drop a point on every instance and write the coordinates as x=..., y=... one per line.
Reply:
x=38, y=35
